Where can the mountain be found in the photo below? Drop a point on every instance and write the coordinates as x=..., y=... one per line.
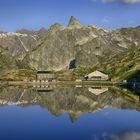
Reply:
x=64, y=48
x=123, y=66
x=74, y=101
x=84, y=44
x=74, y=23
x=17, y=44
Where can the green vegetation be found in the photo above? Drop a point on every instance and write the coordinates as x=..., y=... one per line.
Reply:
x=19, y=75
x=123, y=66
x=120, y=67
x=125, y=94
x=81, y=71
x=26, y=73
x=6, y=61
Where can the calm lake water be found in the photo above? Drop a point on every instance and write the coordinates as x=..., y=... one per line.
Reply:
x=69, y=113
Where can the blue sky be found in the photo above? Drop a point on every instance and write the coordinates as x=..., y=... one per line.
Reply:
x=34, y=14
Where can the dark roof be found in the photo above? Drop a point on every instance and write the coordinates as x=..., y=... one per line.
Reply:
x=44, y=72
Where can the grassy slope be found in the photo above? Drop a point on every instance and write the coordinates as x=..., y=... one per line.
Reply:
x=119, y=68
x=19, y=75
x=123, y=66
x=9, y=69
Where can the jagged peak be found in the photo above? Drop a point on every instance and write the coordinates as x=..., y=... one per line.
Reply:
x=56, y=26
x=74, y=22
x=26, y=31
x=99, y=28
x=42, y=32
x=74, y=116
x=43, y=29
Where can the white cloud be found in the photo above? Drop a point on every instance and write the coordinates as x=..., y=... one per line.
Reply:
x=124, y=1
x=127, y=136
x=122, y=136
x=131, y=1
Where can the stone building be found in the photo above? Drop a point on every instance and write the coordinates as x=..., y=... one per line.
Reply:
x=45, y=75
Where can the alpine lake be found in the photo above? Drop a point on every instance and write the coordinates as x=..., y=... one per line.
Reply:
x=69, y=113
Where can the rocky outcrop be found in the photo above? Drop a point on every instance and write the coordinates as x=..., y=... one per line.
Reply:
x=74, y=23
x=17, y=44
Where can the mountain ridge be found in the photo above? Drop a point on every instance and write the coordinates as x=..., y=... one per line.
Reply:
x=55, y=48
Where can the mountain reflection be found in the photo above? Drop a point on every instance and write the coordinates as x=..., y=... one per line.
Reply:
x=74, y=101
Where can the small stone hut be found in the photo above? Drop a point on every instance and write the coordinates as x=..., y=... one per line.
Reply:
x=45, y=75
x=97, y=75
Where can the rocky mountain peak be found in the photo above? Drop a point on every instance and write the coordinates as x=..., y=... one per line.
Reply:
x=61, y=48
x=74, y=22
x=42, y=29
x=42, y=32
x=56, y=26
x=28, y=32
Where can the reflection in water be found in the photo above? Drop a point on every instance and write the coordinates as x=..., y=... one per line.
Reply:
x=72, y=100
x=67, y=114
x=98, y=90
x=121, y=136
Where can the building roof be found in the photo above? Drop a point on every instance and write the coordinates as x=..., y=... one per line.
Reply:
x=44, y=72
x=97, y=73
